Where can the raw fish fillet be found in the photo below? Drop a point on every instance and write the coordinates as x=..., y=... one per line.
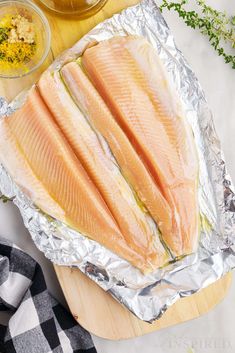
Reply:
x=37, y=156
x=99, y=116
x=129, y=76
x=135, y=223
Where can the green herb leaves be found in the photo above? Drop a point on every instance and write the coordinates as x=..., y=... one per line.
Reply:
x=216, y=25
x=3, y=34
x=4, y=198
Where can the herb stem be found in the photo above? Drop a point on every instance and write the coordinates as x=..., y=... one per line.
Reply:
x=216, y=25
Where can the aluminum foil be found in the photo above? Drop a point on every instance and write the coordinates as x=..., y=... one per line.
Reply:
x=147, y=296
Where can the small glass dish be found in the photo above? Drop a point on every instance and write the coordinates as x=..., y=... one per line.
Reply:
x=42, y=38
x=79, y=8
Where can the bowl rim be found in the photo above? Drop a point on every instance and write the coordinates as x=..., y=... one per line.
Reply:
x=45, y=22
x=99, y=5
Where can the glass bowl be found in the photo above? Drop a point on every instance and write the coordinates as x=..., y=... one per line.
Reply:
x=80, y=8
x=42, y=36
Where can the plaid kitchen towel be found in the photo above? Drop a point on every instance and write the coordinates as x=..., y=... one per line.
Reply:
x=38, y=323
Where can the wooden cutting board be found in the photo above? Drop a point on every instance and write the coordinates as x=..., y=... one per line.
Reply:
x=94, y=309
x=103, y=316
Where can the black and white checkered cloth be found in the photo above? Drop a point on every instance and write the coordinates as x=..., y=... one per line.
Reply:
x=38, y=323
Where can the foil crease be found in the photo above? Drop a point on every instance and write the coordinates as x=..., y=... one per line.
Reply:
x=147, y=296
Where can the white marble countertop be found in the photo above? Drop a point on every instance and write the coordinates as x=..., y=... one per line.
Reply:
x=213, y=332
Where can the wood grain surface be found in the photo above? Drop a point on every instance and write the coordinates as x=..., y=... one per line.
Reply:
x=94, y=309
x=102, y=315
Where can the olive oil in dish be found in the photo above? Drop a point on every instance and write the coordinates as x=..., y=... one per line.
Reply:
x=80, y=8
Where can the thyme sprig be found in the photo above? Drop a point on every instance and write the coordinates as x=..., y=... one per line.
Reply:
x=216, y=25
x=5, y=199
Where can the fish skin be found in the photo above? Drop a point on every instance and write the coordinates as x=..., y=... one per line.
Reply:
x=33, y=149
x=98, y=161
x=137, y=91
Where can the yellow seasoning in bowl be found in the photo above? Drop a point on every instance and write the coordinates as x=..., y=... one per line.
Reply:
x=17, y=41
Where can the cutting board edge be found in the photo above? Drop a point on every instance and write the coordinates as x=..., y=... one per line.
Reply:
x=136, y=327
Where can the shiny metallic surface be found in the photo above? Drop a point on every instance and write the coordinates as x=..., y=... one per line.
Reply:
x=147, y=296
